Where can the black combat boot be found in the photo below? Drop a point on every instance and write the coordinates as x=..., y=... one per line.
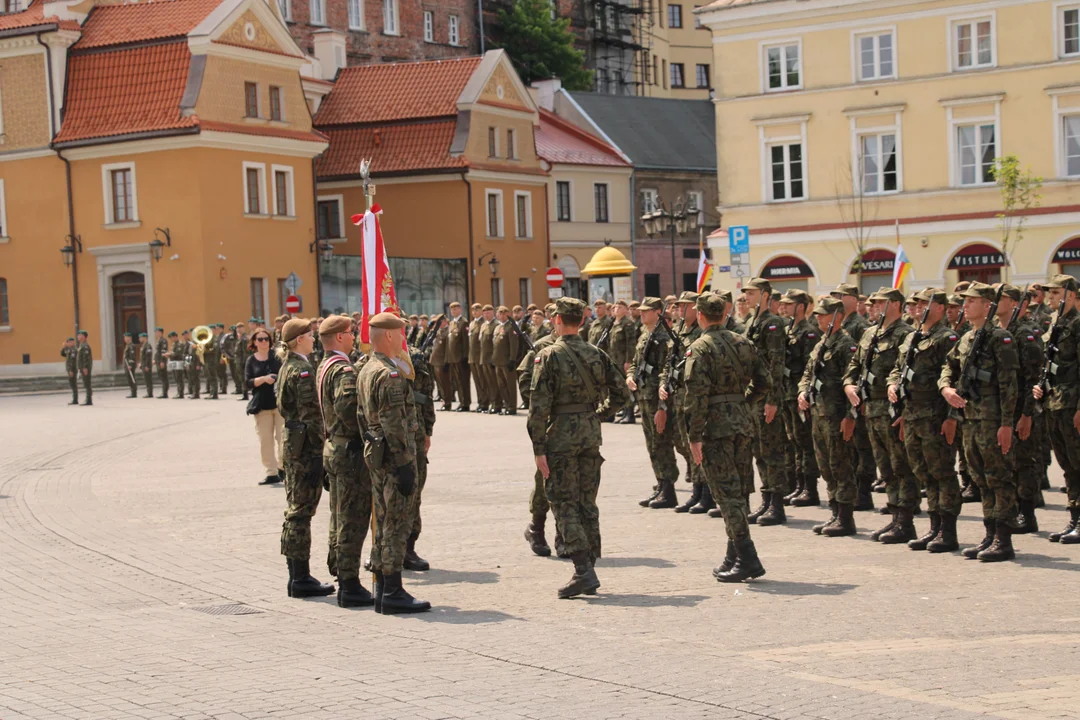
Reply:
x=584, y=579
x=534, y=535
x=973, y=552
x=876, y=535
x=652, y=496
x=747, y=565
x=729, y=560
x=1025, y=521
x=396, y=600
x=946, y=541
x=134, y=394
x=1002, y=548
x=412, y=560
x=301, y=584
x=1074, y=518
x=800, y=483
x=845, y=522
x=766, y=503
x=665, y=499
x=902, y=531
x=969, y=492
x=865, y=500
x=716, y=512
x=809, y=495
x=920, y=543
x=1073, y=536
x=775, y=515
x=879, y=487
x=835, y=514
x=1040, y=501
x=1044, y=484
x=377, y=588
x=706, y=503
x=695, y=495
x=352, y=594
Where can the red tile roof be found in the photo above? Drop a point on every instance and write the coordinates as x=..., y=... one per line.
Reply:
x=34, y=16
x=127, y=91
x=262, y=130
x=557, y=141
x=396, y=91
x=410, y=147
x=120, y=24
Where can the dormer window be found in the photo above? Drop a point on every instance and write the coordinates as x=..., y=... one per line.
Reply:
x=251, y=100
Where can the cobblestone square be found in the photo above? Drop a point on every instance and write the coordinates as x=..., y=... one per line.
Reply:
x=142, y=579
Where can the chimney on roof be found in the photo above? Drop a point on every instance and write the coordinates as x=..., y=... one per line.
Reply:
x=329, y=51
x=547, y=90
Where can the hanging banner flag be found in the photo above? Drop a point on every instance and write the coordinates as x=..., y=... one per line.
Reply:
x=901, y=267
x=704, y=272
x=376, y=283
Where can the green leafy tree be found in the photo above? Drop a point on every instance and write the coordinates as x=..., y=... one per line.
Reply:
x=1019, y=192
x=540, y=46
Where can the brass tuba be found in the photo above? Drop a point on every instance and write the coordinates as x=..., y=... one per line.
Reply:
x=201, y=336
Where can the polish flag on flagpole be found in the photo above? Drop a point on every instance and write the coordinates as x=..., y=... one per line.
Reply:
x=376, y=283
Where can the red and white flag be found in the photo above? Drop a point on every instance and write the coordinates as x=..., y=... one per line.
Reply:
x=376, y=283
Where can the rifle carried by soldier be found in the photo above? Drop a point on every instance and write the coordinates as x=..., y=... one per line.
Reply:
x=429, y=339
x=1053, y=339
x=815, y=384
x=524, y=338
x=866, y=377
x=969, y=384
x=675, y=361
x=896, y=409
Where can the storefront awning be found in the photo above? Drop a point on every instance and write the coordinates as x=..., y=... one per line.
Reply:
x=979, y=255
x=786, y=267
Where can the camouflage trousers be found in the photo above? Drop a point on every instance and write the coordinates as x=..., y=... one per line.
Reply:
x=768, y=447
x=393, y=522
x=865, y=468
x=990, y=470
x=1028, y=463
x=1066, y=444
x=835, y=458
x=694, y=473
x=303, y=489
x=350, y=510
x=421, y=480
x=933, y=461
x=572, y=484
x=958, y=443
x=800, y=436
x=661, y=446
x=538, y=502
x=893, y=467
x=721, y=459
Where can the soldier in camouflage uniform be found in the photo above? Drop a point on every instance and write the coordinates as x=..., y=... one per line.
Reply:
x=538, y=502
x=1063, y=397
x=919, y=411
x=161, y=360
x=866, y=470
x=866, y=386
x=343, y=461
x=422, y=385
x=131, y=364
x=574, y=386
x=302, y=450
x=969, y=491
x=621, y=351
x=821, y=394
x=643, y=379
x=1027, y=461
x=387, y=409
x=1040, y=315
x=84, y=364
x=801, y=339
x=146, y=364
x=982, y=382
x=68, y=352
x=766, y=331
x=724, y=376
x=603, y=322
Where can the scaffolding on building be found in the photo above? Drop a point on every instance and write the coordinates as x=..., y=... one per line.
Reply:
x=619, y=44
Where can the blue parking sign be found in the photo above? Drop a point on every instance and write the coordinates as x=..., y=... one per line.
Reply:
x=739, y=239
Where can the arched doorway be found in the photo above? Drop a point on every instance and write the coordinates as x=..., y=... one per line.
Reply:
x=787, y=272
x=877, y=270
x=129, y=308
x=571, y=277
x=1067, y=257
x=978, y=262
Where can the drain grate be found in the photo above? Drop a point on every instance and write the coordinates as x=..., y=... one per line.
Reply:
x=230, y=609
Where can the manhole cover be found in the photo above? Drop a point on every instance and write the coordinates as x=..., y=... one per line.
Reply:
x=231, y=609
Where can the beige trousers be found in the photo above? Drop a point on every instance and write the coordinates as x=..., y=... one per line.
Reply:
x=271, y=430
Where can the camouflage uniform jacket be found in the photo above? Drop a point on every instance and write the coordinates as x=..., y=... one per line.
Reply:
x=922, y=398
x=146, y=356
x=770, y=339
x=474, y=340
x=991, y=383
x=720, y=367
x=855, y=325
x=888, y=341
x=525, y=367
x=131, y=356
x=1041, y=316
x=963, y=328
x=1032, y=357
x=597, y=329
x=337, y=397
x=1065, y=381
x=650, y=358
x=621, y=347
x=423, y=394
x=564, y=412
x=834, y=354
x=298, y=405
x=687, y=334
x=544, y=330
x=386, y=408
x=801, y=339
x=85, y=357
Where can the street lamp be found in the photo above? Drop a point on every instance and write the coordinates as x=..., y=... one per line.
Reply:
x=682, y=219
x=493, y=263
x=68, y=251
x=157, y=247
x=325, y=248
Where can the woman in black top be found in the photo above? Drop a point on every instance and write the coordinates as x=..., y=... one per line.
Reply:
x=260, y=374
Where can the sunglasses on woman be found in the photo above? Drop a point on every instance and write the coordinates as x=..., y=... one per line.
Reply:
x=262, y=339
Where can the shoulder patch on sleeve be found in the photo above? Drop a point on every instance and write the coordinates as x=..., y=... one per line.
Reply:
x=394, y=373
x=1030, y=337
x=536, y=359
x=1007, y=340
x=304, y=374
x=688, y=353
x=811, y=335
x=853, y=348
x=772, y=327
x=952, y=337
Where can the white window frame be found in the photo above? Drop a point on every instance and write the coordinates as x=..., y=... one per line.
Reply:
x=454, y=30
x=973, y=20
x=763, y=61
x=682, y=74
x=1062, y=137
x=106, y=186
x=708, y=72
x=261, y=168
x=285, y=6
x=290, y=190
x=953, y=123
x=5, y=231
x=500, y=210
x=570, y=200
x=857, y=134
x=359, y=19
x=394, y=15
x=527, y=235
x=607, y=202
x=649, y=196
x=856, y=54
x=764, y=145
x=1059, y=113
x=429, y=26
x=321, y=5
x=1059, y=27
x=671, y=5
x=340, y=211
x=699, y=199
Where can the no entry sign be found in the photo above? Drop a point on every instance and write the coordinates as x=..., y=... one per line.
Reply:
x=554, y=277
x=292, y=304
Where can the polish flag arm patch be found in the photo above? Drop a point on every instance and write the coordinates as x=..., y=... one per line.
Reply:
x=304, y=374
